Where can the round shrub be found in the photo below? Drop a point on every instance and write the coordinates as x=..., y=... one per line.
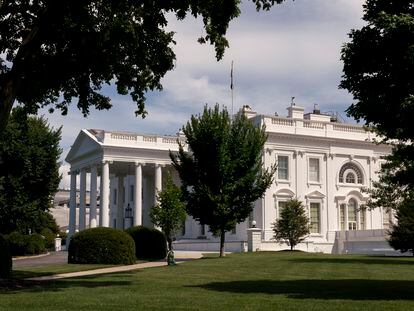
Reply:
x=22, y=244
x=49, y=237
x=149, y=243
x=5, y=258
x=101, y=246
x=36, y=244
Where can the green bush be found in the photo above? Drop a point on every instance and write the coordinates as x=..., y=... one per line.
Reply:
x=101, y=246
x=21, y=244
x=49, y=238
x=5, y=258
x=149, y=243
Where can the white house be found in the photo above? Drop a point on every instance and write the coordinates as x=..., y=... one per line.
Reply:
x=323, y=163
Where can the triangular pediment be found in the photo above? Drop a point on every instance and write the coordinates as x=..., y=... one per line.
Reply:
x=84, y=144
x=315, y=194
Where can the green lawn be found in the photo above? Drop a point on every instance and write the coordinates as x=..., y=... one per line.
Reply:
x=253, y=281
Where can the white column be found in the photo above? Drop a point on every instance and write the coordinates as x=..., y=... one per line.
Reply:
x=119, y=203
x=93, y=194
x=138, y=195
x=72, y=205
x=105, y=195
x=158, y=181
x=82, y=200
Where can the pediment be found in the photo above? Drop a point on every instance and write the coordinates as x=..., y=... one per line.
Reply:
x=358, y=194
x=284, y=193
x=315, y=194
x=84, y=144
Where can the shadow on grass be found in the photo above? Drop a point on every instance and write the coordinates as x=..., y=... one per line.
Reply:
x=320, y=289
x=363, y=260
x=14, y=286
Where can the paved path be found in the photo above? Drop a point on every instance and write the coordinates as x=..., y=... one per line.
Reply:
x=180, y=256
x=53, y=258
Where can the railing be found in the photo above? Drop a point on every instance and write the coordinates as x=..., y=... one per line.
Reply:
x=150, y=139
x=349, y=128
x=171, y=140
x=282, y=121
x=124, y=136
x=313, y=124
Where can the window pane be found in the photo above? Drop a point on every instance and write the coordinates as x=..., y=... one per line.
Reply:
x=342, y=216
x=314, y=217
x=282, y=167
x=115, y=196
x=313, y=169
x=131, y=193
x=362, y=219
x=281, y=205
x=350, y=178
x=352, y=211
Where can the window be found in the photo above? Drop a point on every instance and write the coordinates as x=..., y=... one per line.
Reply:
x=352, y=215
x=350, y=178
x=350, y=173
x=315, y=218
x=386, y=218
x=283, y=167
x=362, y=220
x=342, y=215
x=115, y=196
x=131, y=193
x=281, y=206
x=314, y=170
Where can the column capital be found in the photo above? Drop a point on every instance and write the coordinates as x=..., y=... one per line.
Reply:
x=136, y=163
x=159, y=165
x=73, y=172
x=107, y=161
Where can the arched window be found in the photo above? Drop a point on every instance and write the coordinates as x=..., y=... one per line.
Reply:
x=350, y=173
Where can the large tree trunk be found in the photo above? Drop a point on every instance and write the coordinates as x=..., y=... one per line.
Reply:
x=7, y=97
x=222, y=238
x=169, y=241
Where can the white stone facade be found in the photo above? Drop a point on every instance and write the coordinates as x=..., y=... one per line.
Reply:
x=324, y=164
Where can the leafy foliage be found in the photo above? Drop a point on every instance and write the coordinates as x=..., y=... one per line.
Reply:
x=24, y=244
x=222, y=175
x=101, y=246
x=402, y=233
x=150, y=243
x=56, y=51
x=169, y=213
x=292, y=225
x=6, y=262
x=378, y=66
x=29, y=173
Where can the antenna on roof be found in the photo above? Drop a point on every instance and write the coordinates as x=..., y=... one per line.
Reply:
x=232, y=88
x=292, y=103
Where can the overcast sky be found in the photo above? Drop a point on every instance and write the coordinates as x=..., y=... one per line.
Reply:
x=293, y=50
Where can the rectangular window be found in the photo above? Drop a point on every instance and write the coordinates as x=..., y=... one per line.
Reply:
x=281, y=206
x=314, y=170
x=283, y=167
x=315, y=217
x=131, y=193
x=362, y=220
x=115, y=196
x=342, y=216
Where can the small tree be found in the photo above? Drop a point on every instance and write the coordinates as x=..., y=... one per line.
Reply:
x=402, y=233
x=223, y=174
x=169, y=213
x=292, y=225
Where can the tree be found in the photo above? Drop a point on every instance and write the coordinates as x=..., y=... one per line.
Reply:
x=402, y=233
x=29, y=173
x=56, y=51
x=223, y=172
x=292, y=225
x=169, y=213
x=378, y=66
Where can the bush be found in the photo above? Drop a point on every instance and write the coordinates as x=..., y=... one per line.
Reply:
x=49, y=238
x=21, y=244
x=5, y=258
x=101, y=246
x=149, y=243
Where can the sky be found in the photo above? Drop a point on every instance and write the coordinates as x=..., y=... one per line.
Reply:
x=292, y=50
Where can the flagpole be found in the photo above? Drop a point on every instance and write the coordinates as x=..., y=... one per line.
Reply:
x=231, y=87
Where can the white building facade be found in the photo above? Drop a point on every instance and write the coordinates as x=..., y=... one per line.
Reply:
x=324, y=164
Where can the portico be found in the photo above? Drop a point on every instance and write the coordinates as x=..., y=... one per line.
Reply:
x=129, y=169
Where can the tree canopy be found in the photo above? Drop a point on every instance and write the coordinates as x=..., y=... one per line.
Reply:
x=53, y=52
x=169, y=213
x=378, y=67
x=222, y=174
x=292, y=225
x=29, y=173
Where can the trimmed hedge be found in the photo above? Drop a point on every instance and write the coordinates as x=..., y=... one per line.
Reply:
x=22, y=244
x=101, y=246
x=149, y=243
x=49, y=237
x=5, y=258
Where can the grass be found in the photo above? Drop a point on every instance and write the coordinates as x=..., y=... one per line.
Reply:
x=252, y=281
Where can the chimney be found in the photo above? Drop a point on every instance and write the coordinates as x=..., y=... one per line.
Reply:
x=295, y=112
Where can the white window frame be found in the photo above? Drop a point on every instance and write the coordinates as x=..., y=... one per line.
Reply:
x=289, y=168
x=319, y=202
x=319, y=181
